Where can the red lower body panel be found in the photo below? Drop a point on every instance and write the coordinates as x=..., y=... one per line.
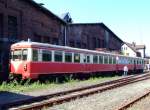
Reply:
x=37, y=68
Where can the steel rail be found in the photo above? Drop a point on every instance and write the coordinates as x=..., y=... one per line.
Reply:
x=133, y=101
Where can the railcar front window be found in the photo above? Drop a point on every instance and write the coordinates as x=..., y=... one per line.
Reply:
x=24, y=54
x=17, y=55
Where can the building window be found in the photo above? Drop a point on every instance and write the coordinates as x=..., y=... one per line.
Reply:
x=83, y=45
x=55, y=41
x=94, y=43
x=46, y=40
x=78, y=45
x=98, y=43
x=37, y=38
x=12, y=27
x=72, y=44
x=1, y=25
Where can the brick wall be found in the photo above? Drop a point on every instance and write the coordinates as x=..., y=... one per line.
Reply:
x=31, y=22
x=20, y=20
x=92, y=36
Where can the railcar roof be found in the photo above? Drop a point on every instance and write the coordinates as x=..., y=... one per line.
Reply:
x=26, y=43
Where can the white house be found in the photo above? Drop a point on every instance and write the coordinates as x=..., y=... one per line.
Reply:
x=133, y=50
x=128, y=50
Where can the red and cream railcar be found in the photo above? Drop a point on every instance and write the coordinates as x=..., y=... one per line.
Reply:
x=31, y=59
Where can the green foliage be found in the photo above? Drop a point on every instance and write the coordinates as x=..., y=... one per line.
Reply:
x=28, y=85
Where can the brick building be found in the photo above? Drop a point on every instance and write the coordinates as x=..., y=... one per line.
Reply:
x=92, y=36
x=23, y=19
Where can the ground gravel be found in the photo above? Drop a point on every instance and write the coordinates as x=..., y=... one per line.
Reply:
x=108, y=100
x=144, y=104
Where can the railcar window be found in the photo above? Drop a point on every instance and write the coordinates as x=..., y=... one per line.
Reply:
x=105, y=59
x=110, y=60
x=12, y=53
x=17, y=54
x=114, y=60
x=88, y=58
x=68, y=57
x=58, y=56
x=35, y=55
x=46, y=55
x=95, y=59
x=24, y=54
x=77, y=58
x=101, y=59
x=84, y=58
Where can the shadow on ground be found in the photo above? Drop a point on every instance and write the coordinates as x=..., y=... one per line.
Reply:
x=8, y=99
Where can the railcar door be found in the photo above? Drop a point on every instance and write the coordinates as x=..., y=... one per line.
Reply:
x=88, y=63
x=134, y=65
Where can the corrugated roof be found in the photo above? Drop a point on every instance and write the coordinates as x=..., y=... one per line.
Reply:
x=101, y=24
x=44, y=10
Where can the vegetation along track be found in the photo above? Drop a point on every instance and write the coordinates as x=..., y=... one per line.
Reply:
x=60, y=97
x=132, y=101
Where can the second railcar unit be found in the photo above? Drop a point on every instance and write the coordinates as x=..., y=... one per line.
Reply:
x=31, y=59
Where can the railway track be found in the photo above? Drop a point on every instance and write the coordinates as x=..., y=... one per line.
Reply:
x=60, y=97
x=130, y=102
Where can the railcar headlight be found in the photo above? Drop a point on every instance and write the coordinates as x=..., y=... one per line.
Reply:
x=25, y=67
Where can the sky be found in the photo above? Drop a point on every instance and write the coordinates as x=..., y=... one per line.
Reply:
x=128, y=19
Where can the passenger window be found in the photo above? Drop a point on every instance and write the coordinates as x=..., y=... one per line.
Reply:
x=35, y=55
x=46, y=55
x=105, y=59
x=24, y=54
x=77, y=58
x=110, y=60
x=114, y=60
x=58, y=56
x=88, y=58
x=68, y=57
x=95, y=59
x=101, y=59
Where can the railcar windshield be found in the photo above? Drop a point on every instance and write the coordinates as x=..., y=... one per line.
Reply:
x=19, y=54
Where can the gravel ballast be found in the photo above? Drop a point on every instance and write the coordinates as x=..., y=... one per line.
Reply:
x=143, y=104
x=108, y=100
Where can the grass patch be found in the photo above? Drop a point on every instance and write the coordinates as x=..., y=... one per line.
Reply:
x=18, y=87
